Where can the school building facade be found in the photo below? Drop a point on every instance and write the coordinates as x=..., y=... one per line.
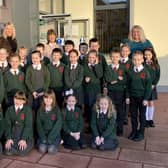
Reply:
x=109, y=20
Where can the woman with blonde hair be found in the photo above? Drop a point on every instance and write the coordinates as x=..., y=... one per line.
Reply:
x=137, y=40
x=9, y=33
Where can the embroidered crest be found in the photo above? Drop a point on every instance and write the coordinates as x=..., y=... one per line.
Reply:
x=21, y=78
x=22, y=116
x=142, y=75
x=53, y=117
x=120, y=72
x=76, y=115
x=61, y=69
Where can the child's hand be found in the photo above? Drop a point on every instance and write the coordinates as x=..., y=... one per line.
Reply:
x=87, y=79
x=22, y=145
x=8, y=144
x=98, y=140
x=120, y=77
x=145, y=102
x=77, y=136
x=102, y=140
x=113, y=82
x=35, y=95
x=127, y=100
x=153, y=86
x=105, y=91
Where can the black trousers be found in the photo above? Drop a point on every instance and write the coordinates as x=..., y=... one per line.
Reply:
x=118, y=101
x=137, y=110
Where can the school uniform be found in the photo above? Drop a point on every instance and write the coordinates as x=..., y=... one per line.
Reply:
x=73, y=122
x=57, y=80
x=4, y=67
x=24, y=65
x=37, y=80
x=65, y=58
x=14, y=80
x=138, y=89
x=49, y=124
x=2, y=128
x=116, y=91
x=82, y=59
x=155, y=76
x=103, y=126
x=93, y=87
x=45, y=60
x=127, y=63
x=18, y=124
x=73, y=78
x=2, y=89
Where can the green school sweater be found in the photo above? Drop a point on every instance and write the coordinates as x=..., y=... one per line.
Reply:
x=73, y=78
x=154, y=73
x=103, y=128
x=139, y=84
x=49, y=125
x=72, y=120
x=65, y=59
x=13, y=83
x=56, y=75
x=113, y=75
x=1, y=124
x=2, y=89
x=22, y=120
x=30, y=79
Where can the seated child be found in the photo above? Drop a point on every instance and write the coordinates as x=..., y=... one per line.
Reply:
x=103, y=125
x=18, y=124
x=49, y=124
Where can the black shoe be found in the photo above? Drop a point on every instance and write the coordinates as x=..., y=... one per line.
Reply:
x=151, y=123
x=132, y=135
x=147, y=124
x=101, y=147
x=138, y=137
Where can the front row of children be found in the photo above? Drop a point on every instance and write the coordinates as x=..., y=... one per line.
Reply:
x=52, y=125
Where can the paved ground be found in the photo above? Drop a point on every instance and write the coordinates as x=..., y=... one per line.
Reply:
x=150, y=153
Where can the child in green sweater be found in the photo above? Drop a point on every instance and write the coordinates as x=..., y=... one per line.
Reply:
x=14, y=79
x=73, y=124
x=18, y=124
x=56, y=69
x=49, y=124
x=138, y=92
x=151, y=63
x=103, y=125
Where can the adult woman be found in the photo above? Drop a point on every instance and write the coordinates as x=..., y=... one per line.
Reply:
x=51, y=42
x=137, y=40
x=9, y=34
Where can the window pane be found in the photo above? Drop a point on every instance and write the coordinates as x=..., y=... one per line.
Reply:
x=58, y=6
x=45, y=5
x=106, y=2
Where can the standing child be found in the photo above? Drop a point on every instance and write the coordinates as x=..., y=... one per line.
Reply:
x=18, y=122
x=4, y=66
x=127, y=63
x=49, y=124
x=83, y=48
x=40, y=47
x=14, y=79
x=151, y=63
x=116, y=82
x=37, y=80
x=93, y=73
x=23, y=58
x=103, y=125
x=73, y=76
x=56, y=69
x=69, y=45
x=138, y=92
x=73, y=124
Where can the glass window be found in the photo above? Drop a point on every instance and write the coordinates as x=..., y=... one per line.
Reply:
x=45, y=6
x=107, y=2
x=57, y=6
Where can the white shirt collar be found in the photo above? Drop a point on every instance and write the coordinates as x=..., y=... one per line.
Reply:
x=70, y=108
x=20, y=107
x=140, y=68
x=48, y=108
x=102, y=111
x=115, y=66
x=14, y=71
x=37, y=67
x=5, y=63
x=56, y=63
x=73, y=66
